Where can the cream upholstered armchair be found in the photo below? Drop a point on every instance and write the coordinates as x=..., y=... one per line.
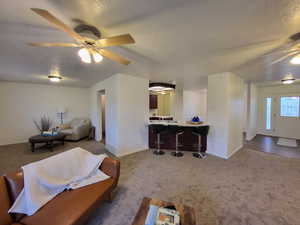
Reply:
x=76, y=129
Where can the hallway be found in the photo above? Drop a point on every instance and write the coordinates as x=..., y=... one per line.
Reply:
x=268, y=144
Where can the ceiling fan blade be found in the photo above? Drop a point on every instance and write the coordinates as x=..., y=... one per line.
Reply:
x=59, y=24
x=116, y=40
x=253, y=45
x=113, y=56
x=284, y=57
x=45, y=44
x=285, y=47
x=280, y=51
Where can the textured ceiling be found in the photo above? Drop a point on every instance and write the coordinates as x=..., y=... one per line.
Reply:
x=176, y=40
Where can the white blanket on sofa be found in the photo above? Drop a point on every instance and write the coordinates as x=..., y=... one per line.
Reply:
x=44, y=179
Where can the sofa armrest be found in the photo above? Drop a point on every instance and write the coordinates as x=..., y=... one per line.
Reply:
x=82, y=127
x=83, y=130
x=5, y=218
x=111, y=167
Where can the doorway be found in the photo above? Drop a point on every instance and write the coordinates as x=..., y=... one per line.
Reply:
x=102, y=116
x=282, y=116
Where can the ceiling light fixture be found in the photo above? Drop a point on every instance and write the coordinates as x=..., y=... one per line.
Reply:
x=54, y=78
x=295, y=60
x=85, y=55
x=288, y=79
x=156, y=88
x=161, y=87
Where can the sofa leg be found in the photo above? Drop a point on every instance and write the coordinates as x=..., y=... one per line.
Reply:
x=110, y=197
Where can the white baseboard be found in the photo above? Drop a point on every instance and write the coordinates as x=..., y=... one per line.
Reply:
x=224, y=156
x=215, y=154
x=251, y=137
x=123, y=152
x=111, y=149
x=14, y=142
x=235, y=151
x=128, y=152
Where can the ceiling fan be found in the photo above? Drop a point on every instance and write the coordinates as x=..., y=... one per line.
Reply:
x=289, y=49
x=89, y=47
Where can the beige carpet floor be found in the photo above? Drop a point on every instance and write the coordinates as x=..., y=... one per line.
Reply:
x=251, y=188
x=14, y=156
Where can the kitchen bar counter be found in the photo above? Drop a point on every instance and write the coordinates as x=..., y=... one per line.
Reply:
x=181, y=124
x=161, y=118
x=187, y=140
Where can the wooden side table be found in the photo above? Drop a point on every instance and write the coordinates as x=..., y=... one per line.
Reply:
x=187, y=214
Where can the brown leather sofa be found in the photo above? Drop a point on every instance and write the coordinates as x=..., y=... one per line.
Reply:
x=71, y=207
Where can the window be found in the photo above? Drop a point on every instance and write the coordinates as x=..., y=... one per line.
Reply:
x=289, y=106
x=268, y=113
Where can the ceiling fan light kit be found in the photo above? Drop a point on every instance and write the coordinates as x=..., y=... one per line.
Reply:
x=97, y=57
x=84, y=55
x=90, y=47
x=295, y=60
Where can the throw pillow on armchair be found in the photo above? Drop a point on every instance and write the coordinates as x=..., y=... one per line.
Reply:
x=64, y=126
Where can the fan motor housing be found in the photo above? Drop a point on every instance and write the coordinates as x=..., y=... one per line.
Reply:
x=295, y=37
x=88, y=31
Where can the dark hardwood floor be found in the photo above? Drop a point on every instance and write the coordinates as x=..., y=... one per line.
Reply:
x=268, y=144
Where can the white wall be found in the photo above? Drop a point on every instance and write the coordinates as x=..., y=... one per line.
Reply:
x=111, y=99
x=218, y=115
x=282, y=127
x=225, y=114
x=252, y=105
x=195, y=104
x=245, y=113
x=127, y=111
x=133, y=112
x=236, y=113
x=21, y=103
x=176, y=104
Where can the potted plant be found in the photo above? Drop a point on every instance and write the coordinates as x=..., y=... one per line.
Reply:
x=44, y=124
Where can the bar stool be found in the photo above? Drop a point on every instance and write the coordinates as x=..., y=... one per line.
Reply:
x=177, y=130
x=200, y=132
x=158, y=129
